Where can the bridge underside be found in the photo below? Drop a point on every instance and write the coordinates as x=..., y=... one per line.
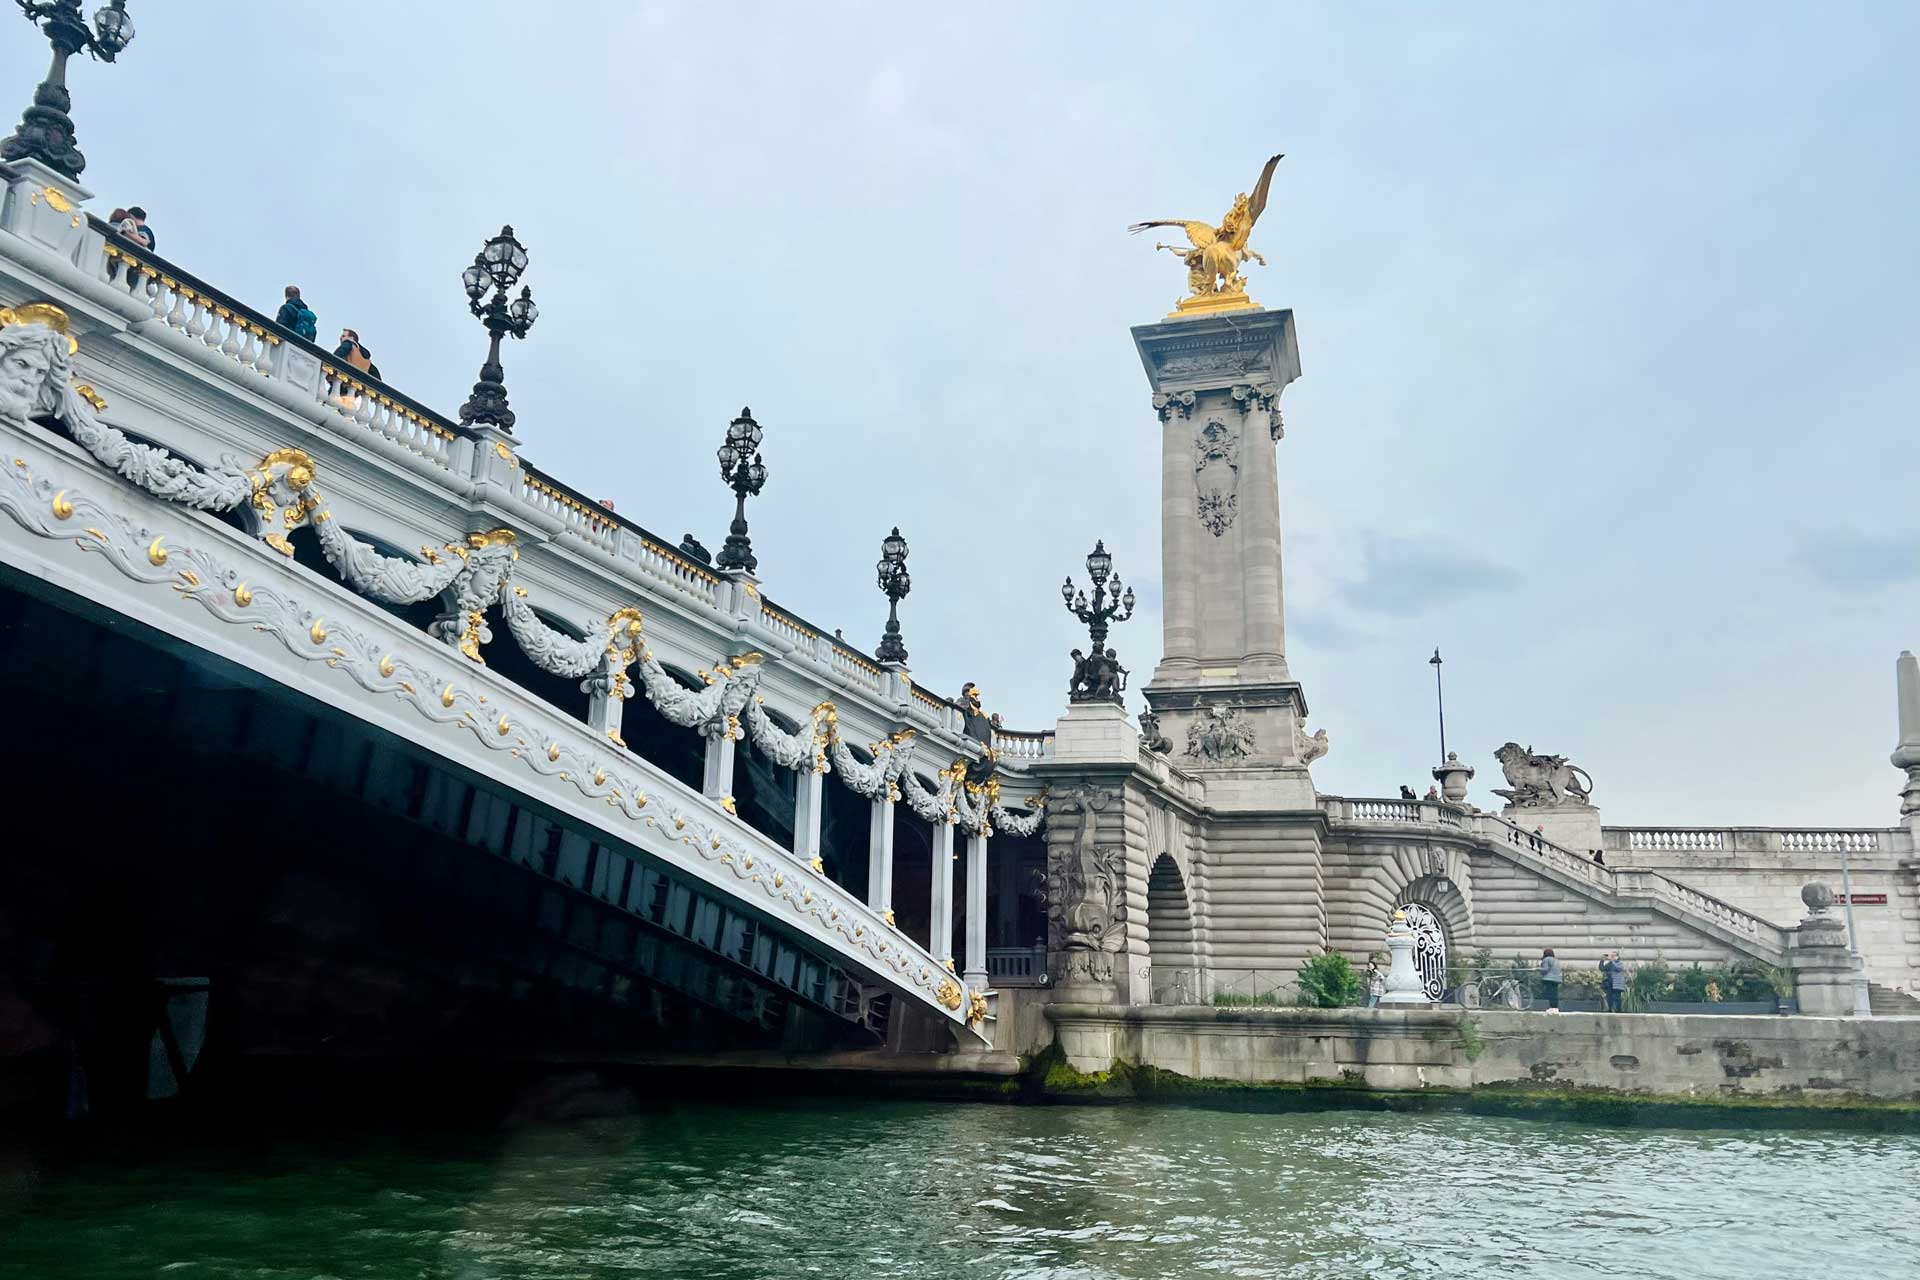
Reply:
x=243, y=871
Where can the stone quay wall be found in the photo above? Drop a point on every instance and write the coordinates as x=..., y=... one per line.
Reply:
x=1674, y=1056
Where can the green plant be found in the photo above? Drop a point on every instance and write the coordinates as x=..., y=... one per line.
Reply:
x=1696, y=984
x=1581, y=984
x=1329, y=981
x=1471, y=1043
x=1649, y=982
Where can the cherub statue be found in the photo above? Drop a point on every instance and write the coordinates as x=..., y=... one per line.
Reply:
x=1214, y=254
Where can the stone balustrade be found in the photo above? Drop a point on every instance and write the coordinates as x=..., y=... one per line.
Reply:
x=1744, y=840
x=250, y=348
x=1014, y=744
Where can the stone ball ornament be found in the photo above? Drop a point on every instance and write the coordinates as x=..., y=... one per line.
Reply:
x=1817, y=896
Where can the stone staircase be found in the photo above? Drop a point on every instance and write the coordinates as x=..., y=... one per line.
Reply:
x=1885, y=1002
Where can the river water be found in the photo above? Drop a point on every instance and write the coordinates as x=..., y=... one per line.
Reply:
x=883, y=1189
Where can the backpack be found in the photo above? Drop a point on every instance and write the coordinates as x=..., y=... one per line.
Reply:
x=306, y=324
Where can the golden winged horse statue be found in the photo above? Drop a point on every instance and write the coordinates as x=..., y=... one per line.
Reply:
x=1214, y=254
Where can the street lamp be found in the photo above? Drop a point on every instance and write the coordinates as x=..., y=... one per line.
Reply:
x=45, y=132
x=743, y=471
x=1099, y=677
x=896, y=583
x=498, y=266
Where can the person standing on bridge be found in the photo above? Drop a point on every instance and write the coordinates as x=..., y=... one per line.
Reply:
x=1550, y=979
x=1376, y=982
x=1613, y=977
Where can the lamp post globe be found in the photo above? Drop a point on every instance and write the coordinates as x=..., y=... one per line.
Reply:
x=1098, y=677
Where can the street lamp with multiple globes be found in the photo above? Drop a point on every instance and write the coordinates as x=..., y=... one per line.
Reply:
x=45, y=132
x=498, y=265
x=1099, y=677
x=743, y=471
x=896, y=583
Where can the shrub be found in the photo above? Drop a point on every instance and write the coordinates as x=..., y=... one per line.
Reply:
x=1649, y=982
x=1329, y=981
x=1694, y=983
x=1582, y=984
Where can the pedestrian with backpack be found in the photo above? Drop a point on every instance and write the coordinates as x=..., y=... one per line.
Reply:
x=296, y=315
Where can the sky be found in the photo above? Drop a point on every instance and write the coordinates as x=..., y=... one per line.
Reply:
x=1604, y=312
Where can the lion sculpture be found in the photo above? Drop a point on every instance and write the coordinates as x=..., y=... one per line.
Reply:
x=1535, y=779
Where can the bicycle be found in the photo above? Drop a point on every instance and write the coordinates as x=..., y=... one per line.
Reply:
x=1493, y=992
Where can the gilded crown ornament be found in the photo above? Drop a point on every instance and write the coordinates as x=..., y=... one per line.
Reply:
x=1214, y=255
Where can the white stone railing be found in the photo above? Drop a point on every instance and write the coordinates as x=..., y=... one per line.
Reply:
x=1714, y=840
x=249, y=347
x=245, y=338
x=1015, y=745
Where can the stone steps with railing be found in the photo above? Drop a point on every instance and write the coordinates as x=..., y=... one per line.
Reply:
x=1635, y=885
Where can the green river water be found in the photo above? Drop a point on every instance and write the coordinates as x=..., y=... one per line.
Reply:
x=885, y=1189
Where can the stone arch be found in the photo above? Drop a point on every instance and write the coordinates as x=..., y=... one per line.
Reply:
x=1445, y=897
x=1171, y=945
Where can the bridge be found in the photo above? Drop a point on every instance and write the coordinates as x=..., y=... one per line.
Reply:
x=547, y=778
x=341, y=728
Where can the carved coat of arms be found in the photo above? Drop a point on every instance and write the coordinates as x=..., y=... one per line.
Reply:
x=1216, y=474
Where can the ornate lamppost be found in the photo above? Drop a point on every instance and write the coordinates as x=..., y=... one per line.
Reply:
x=498, y=264
x=45, y=132
x=743, y=471
x=896, y=583
x=1098, y=677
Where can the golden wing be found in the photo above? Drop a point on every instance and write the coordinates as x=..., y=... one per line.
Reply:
x=1201, y=234
x=1257, y=202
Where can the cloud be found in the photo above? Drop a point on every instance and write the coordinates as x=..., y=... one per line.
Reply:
x=1319, y=629
x=1402, y=576
x=1856, y=563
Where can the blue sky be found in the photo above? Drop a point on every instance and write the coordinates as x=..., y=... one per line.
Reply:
x=1605, y=316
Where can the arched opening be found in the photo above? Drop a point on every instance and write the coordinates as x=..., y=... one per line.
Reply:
x=1017, y=910
x=913, y=870
x=764, y=794
x=680, y=753
x=846, y=833
x=1429, y=947
x=1176, y=978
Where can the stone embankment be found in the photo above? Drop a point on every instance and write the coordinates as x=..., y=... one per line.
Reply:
x=1683, y=1058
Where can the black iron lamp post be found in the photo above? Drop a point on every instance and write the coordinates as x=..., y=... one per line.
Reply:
x=896, y=583
x=498, y=265
x=1098, y=677
x=45, y=132
x=742, y=470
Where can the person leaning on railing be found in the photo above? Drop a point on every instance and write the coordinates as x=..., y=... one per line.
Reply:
x=1550, y=979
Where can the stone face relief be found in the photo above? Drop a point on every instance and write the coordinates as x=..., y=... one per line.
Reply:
x=1216, y=473
x=1219, y=735
x=29, y=353
x=1086, y=884
x=1535, y=779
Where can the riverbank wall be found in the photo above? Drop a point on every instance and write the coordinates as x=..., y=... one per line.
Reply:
x=1695, y=1057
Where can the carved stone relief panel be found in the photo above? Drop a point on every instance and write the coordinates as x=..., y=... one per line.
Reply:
x=1216, y=474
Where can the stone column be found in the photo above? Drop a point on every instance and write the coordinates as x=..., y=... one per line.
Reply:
x=1180, y=636
x=717, y=781
x=605, y=707
x=1906, y=755
x=940, y=907
x=976, y=961
x=880, y=858
x=809, y=796
x=1822, y=969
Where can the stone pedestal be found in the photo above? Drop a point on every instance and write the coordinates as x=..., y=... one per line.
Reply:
x=1571, y=826
x=1403, y=980
x=1096, y=733
x=43, y=205
x=1823, y=973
